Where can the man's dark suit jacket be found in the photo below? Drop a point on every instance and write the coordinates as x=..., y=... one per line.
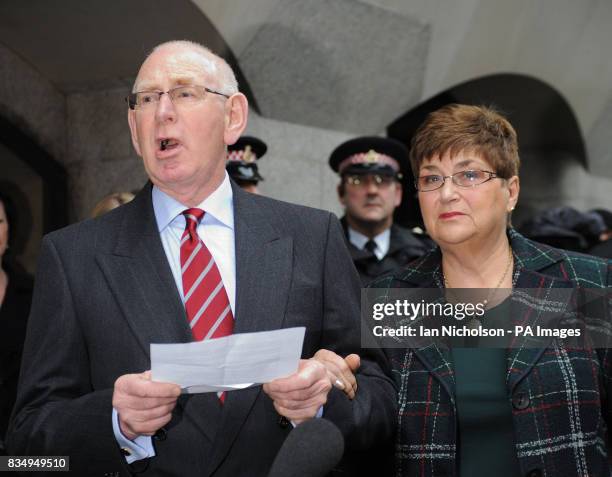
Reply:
x=104, y=292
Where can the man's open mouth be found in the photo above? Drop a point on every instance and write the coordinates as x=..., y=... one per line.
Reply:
x=166, y=144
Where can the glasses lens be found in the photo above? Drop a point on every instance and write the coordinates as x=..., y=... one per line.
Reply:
x=383, y=181
x=470, y=178
x=146, y=98
x=367, y=179
x=187, y=94
x=427, y=183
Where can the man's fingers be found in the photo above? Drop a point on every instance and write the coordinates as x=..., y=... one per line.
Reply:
x=321, y=386
x=151, y=389
x=140, y=386
x=146, y=428
x=302, y=400
x=144, y=415
x=137, y=404
x=143, y=405
x=308, y=373
x=296, y=416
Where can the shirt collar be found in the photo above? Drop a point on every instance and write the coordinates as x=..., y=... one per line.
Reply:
x=359, y=240
x=219, y=206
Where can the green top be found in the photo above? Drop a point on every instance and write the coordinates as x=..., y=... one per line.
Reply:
x=485, y=432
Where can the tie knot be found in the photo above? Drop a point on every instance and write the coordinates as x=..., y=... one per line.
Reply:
x=192, y=218
x=370, y=246
x=194, y=215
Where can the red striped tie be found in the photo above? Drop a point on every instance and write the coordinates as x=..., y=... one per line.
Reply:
x=206, y=302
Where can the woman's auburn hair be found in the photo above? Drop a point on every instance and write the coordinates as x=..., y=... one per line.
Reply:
x=457, y=128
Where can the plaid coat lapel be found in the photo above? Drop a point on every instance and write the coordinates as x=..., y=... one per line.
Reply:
x=537, y=266
x=547, y=300
x=560, y=396
x=426, y=273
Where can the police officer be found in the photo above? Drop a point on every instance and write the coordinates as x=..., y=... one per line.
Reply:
x=241, y=165
x=370, y=190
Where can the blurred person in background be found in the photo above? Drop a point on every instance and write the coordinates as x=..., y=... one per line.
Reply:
x=15, y=297
x=241, y=162
x=110, y=202
x=370, y=170
x=603, y=248
x=564, y=227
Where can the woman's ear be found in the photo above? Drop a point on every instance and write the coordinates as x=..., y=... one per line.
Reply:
x=514, y=187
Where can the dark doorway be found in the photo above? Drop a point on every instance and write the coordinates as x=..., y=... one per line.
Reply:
x=37, y=186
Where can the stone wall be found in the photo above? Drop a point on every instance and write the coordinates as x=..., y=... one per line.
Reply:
x=31, y=102
x=101, y=159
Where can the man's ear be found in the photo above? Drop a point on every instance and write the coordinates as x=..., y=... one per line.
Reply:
x=133, y=131
x=236, y=113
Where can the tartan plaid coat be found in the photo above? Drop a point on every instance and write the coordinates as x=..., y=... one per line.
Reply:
x=561, y=398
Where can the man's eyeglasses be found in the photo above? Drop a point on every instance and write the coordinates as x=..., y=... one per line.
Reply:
x=179, y=95
x=362, y=180
x=466, y=179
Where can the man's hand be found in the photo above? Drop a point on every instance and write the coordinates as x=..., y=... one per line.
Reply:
x=143, y=406
x=298, y=397
x=341, y=372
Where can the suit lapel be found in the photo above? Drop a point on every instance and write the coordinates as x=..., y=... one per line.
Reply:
x=263, y=267
x=263, y=279
x=140, y=278
x=141, y=281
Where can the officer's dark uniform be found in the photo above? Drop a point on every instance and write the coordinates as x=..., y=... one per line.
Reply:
x=241, y=157
x=378, y=156
x=404, y=247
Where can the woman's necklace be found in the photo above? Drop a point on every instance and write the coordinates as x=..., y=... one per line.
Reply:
x=493, y=290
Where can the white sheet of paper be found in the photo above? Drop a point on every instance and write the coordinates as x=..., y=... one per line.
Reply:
x=232, y=362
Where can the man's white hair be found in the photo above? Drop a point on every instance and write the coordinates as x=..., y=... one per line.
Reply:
x=214, y=65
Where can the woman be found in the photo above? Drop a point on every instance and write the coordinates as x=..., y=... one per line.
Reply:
x=507, y=412
x=15, y=298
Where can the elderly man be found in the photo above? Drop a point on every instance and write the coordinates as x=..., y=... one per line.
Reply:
x=370, y=170
x=191, y=257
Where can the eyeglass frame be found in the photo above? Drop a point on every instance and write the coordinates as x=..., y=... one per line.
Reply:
x=347, y=179
x=492, y=175
x=130, y=99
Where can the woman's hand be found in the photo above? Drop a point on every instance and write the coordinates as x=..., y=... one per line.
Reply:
x=341, y=371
